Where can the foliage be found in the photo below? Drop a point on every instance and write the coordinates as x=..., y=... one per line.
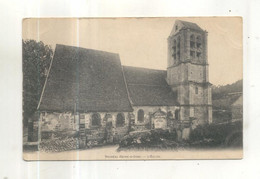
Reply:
x=202, y=137
x=214, y=135
x=222, y=99
x=36, y=60
x=154, y=139
x=221, y=91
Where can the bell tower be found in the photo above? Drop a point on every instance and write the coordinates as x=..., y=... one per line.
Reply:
x=187, y=71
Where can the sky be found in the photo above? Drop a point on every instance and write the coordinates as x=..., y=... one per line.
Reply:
x=142, y=42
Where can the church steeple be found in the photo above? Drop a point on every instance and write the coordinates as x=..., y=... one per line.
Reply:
x=187, y=71
x=187, y=43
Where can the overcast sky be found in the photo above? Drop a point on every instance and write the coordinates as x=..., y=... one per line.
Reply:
x=142, y=42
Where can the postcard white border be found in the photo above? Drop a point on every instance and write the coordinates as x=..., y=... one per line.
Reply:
x=11, y=163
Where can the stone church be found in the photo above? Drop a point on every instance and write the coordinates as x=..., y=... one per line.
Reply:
x=90, y=92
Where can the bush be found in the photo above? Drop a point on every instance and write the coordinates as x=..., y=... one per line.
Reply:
x=215, y=134
x=157, y=138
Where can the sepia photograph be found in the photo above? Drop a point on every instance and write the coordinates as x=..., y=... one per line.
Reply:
x=132, y=88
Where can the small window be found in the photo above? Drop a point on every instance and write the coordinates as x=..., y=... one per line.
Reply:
x=198, y=54
x=196, y=90
x=192, y=38
x=192, y=54
x=176, y=27
x=95, y=120
x=174, y=46
x=174, y=49
x=192, y=44
x=140, y=116
x=120, y=120
x=179, y=42
x=174, y=56
x=192, y=41
x=198, y=42
x=178, y=55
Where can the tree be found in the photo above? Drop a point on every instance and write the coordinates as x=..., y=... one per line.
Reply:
x=36, y=61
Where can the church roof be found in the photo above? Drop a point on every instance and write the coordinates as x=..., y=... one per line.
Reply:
x=148, y=87
x=190, y=25
x=86, y=79
x=95, y=81
x=179, y=25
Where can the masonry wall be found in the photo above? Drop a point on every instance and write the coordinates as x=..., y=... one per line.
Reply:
x=199, y=98
x=68, y=123
x=177, y=74
x=148, y=111
x=202, y=49
x=196, y=73
x=57, y=121
x=99, y=132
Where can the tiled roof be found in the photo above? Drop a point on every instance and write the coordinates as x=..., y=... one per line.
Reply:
x=148, y=87
x=190, y=25
x=86, y=79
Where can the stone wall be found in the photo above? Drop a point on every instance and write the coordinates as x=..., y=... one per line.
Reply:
x=107, y=129
x=177, y=74
x=147, y=124
x=202, y=49
x=196, y=73
x=53, y=123
x=199, y=98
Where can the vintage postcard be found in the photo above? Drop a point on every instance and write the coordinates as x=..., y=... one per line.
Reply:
x=132, y=88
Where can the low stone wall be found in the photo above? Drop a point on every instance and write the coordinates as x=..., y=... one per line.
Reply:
x=58, y=127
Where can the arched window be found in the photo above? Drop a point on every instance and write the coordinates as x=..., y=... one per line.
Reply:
x=192, y=41
x=120, y=120
x=140, y=116
x=196, y=90
x=198, y=41
x=174, y=50
x=179, y=42
x=192, y=38
x=178, y=48
x=192, y=54
x=95, y=119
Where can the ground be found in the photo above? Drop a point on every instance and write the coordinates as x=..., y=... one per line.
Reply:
x=111, y=153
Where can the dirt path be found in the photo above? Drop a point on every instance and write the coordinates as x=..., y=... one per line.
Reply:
x=111, y=153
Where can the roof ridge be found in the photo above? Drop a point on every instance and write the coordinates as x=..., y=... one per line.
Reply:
x=142, y=84
x=142, y=68
x=83, y=48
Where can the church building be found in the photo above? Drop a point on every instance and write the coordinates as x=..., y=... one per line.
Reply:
x=90, y=93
